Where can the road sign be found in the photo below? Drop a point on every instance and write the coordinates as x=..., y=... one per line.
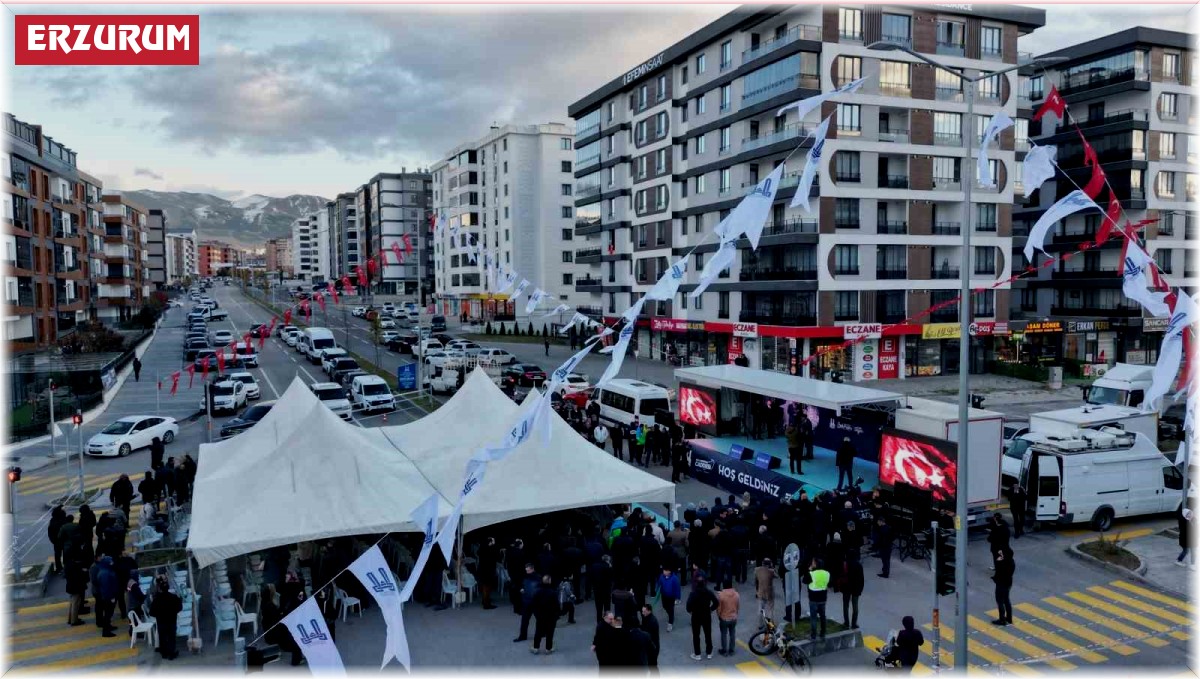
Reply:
x=791, y=576
x=406, y=376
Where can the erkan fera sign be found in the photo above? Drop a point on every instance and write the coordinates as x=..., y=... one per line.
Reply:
x=107, y=40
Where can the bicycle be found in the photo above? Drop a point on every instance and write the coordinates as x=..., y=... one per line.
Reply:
x=771, y=638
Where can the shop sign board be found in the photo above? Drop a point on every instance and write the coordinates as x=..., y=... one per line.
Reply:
x=938, y=331
x=861, y=330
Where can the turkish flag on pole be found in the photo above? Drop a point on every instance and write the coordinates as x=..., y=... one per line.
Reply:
x=1110, y=219
x=371, y=266
x=246, y=341
x=287, y=316
x=347, y=288
x=262, y=337
x=307, y=309
x=175, y=382
x=221, y=362
x=382, y=258
x=1054, y=102
x=321, y=301
x=204, y=368
x=408, y=246
x=1096, y=183
x=191, y=370
x=396, y=251
x=362, y=276
x=333, y=292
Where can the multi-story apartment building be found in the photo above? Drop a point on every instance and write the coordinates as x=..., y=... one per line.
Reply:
x=46, y=237
x=278, y=255
x=156, y=249
x=215, y=257
x=1132, y=96
x=385, y=208
x=180, y=256
x=125, y=285
x=346, y=239
x=667, y=149
x=309, y=247
x=512, y=192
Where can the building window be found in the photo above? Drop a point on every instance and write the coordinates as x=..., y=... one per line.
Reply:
x=506, y=214
x=1168, y=106
x=845, y=305
x=722, y=305
x=700, y=144
x=1166, y=145
x=612, y=110
x=895, y=78
x=660, y=125
x=662, y=88
x=506, y=165
x=990, y=41
x=950, y=37
x=700, y=105
x=724, y=138
x=1162, y=257
x=985, y=216
x=699, y=301
x=850, y=23
x=699, y=65
x=568, y=234
x=726, y=54
x=1165, y=185
x=563, y=144
x=848, y=119
x=984, y=303
x=699, y=184
x=847, y=167
x=989, y=88
x=566, y=165
x=566, y=211
x=641, y=103
x=848, y=69
x=1170, y=64
x=845, y=213
x=724, y=182
x=660, y=161
x=947, y=128
x=845, y=258
x=985, y=261
x=639, y=133
x=566, y=189
x=945, y=171
x=897, y=28
x=683, y=72
x=568, y=256
x=726, y=96
x=660, y=197
x=640, y=164
x=568, y=278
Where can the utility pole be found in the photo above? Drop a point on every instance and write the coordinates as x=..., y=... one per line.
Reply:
x=53, y=447
x=14, y=475
x=937, y=611
x=970, y=85
x=79, y=428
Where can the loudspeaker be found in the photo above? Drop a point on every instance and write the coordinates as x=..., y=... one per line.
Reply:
x=740, y=452
x=767, y=461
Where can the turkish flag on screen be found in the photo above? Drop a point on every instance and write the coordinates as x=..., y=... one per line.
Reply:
x=918, y=464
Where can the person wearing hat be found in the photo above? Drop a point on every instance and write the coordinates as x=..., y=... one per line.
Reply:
x=845, y=463
x=165, y=608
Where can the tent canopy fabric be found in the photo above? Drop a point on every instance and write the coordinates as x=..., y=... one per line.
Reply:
x=302, y=473
x=829, y=395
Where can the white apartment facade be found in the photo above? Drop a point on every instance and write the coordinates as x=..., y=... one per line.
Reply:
x=511, y=191
x=180, y=256
x=310, y=248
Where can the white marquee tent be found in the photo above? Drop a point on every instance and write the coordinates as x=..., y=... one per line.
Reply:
x=302, y=473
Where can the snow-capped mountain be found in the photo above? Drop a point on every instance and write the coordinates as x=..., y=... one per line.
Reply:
x=247, y=221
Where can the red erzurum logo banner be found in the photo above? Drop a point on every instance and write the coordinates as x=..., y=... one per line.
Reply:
x=107, y=40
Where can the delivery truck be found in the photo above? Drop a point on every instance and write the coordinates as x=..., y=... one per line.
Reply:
x=1090, y=416
x=1123, y=384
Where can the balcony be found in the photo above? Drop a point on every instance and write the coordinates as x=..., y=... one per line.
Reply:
x=24, y=299
x=587, y=255
x=1088, y=81
x=894, y=181
x=796, y=33
x=894, y=136
x=582, y=163
x=905, y=40
x=1122, y=116
x=948, y=93
x=985, y=227
x=776, y=317
x=891, y=274
x=761, y=273
x=895, y=89
x=724, y=150
x=587, y=190
x=947, y=139
x=944, y=273
x=782, y=86
x=788, y=132
x=847, y=176
x=947, y=228
x=586, y=226
x=790, y=226
x=587, y=285
x=893, y=227
x=954, y=49
x=845, y=223
x=946, y=184
x=587, y=131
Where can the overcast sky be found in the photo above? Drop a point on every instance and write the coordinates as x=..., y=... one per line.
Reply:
x=317, y=100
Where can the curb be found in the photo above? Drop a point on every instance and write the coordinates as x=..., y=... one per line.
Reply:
x=1138, y=574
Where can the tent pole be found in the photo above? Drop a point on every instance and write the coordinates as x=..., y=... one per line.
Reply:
x=195, y=607
x=459, y=566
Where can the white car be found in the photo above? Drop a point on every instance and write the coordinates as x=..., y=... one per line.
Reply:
x=496, y=357
x=328, y=356
x=387, y=324
x=434, y=357
x=575, y=383
x=358, y=311
x=334, y=397
x=227, y=395
x=428, y=345
x=253, y=391
x=131, y=433
x=221, y=337
x=461, y=344
x=388, y=336
x=292, y=337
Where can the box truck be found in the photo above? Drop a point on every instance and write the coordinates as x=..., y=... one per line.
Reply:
x=1090, y=416
x=1123, y=384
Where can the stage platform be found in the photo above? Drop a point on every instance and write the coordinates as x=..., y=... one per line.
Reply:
x=711, y=464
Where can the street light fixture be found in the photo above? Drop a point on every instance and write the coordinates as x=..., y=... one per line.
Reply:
x=964, y=339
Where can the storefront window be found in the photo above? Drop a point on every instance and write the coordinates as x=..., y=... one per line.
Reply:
x=777, y=353
x=829, y=361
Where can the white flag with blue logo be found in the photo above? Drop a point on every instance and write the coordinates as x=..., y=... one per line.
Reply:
x=713, y=267
x=559, y=376
x=1137, y=284
x=809, y=173
x=520, y=289
x=618, y=355
x=373, y=572
x=578, y=319
x=509, y=278
x=1170, y=355
x=1069, y=204
x=996, y=125
x=535, y=299
x=751, y=214
x=308, y=628
x=471, y=481
x=806, y=106
x=561, y=308
x=1037, y=167
x=668, y=283
x=425, y=516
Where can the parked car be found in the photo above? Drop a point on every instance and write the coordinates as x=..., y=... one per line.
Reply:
x=253, y=391
x=437, y=323
x=194, y=347
x=461, y=344
x=358, y=311
x=334, y=397
x=346, y=377
x=522, y=375
x=227, y=396
x=248, y=418
x=388, y=336
x=210, y=354
x=387, y=324
x=428, y=345
x=279, y=332
x=131, y=433
x=370, y=392
x=328, y=356
x=575, y=384
x=341, y=365
x=402, y=343
x=222, y=337
x=259, y=330
x=243, y=356
x=492, y=356
x=292, y=337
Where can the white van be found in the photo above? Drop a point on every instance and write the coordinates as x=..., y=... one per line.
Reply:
x=313, y=341
x=371, y=392
x=1098, y=476
x=621, y=399
x=1089, y=416
x=1123, y=384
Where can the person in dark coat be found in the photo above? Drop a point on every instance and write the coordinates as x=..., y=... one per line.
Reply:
x=606, y=641
x=137, y=369
x=514, y=564
x=998, y=535
x=107, y=589
x=700, y=604
x=165, y=477
x=545, y=612
x=125, y=567
x=529, y=588
x=546, y=563
x=58, y=519
x=852, y=588
x=488, y=556
x=134, y=597
x=1017, y=502
x=121, y=493
x=845, y=463
x=908, y=644
x=1184, y=522
x=87, y=529
x=806, y=436
x=640, y=648
x=617, y=436
x=600, y=579
x=883, y=545
x=157, y=451
x=149, y=490
x=271, y=614
x=165, y=609
x=75, y=572
x=650, y=626
x=1003, y=577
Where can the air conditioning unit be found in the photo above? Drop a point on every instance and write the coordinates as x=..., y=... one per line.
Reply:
x=1069, y=445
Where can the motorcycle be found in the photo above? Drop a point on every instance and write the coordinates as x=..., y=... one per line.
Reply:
x=775, y=639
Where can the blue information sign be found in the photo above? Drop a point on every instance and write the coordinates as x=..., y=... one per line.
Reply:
x=406, y=376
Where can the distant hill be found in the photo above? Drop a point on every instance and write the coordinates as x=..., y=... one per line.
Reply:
x=247, y=221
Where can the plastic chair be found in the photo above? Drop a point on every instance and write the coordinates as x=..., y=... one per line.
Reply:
x=469, y=584
x=224, y=620
x=449, y=588
x=346, y=601
x=146, y=627
x=146, y=537
x=251, y=589
x=243, y=617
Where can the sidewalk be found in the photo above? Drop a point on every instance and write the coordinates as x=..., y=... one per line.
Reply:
x=1158, y=553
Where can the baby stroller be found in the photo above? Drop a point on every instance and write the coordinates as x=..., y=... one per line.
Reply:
x=887, y=658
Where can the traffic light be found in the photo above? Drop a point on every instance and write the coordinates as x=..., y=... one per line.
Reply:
x=77, y=418
x=943, y=565
x=14, y=474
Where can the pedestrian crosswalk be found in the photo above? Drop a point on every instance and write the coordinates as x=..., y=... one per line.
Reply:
x=1072, y=631
x=61, y=483
x=42, y=642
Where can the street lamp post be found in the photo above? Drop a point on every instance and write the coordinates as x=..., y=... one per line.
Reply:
x=964, y=344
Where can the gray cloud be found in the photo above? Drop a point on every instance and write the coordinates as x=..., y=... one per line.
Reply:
x=147, y=172
x=408, y=84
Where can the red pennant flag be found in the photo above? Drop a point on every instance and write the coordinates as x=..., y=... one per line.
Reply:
x=1054, y=102
x=246, y=340
x=262, y=338
x=396, y=251
x=382, y=258
x=362, y=276
x=371, y=266
x=304, y=306
x=408, y=246
x=1096, y=183
x=1110, y=219
x=333, y=292
x=221, y=362
x=191, y=369
x=175, y=382
x=204, y=368
x=287, y=316
x=346, y=287
x=321, y=301
x=1186, y=375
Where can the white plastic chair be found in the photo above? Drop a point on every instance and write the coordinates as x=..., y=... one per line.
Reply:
x=346, y=602
x=224, y=619
x=449, y=588
x=243, y=618
x=469, y=585
x=146, y=627
x=251, y=589
x=146, y=537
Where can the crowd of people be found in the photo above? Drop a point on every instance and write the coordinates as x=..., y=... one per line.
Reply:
x=646, y=444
